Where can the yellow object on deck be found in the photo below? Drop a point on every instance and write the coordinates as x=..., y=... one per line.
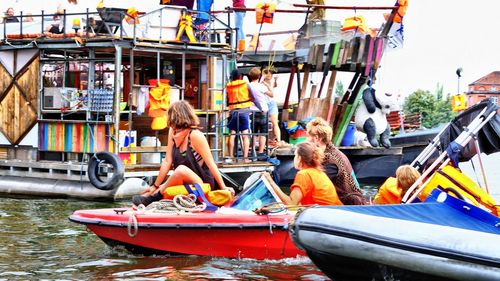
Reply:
x=171, y=191
x=451, y=177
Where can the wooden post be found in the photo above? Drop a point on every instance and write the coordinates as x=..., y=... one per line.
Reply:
x=284, y=113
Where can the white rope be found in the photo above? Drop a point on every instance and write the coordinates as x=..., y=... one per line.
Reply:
x=181, y=204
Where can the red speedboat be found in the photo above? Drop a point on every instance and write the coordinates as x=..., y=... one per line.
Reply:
x=229, y=232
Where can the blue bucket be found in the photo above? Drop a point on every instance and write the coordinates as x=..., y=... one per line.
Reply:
x=348, y=139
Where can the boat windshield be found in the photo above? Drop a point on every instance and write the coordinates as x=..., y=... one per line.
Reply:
x=255, y=196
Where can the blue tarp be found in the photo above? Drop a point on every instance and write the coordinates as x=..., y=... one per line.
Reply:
x=452, y=212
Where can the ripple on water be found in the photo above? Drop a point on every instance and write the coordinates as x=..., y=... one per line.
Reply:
x=100, y=263
x=15, y=273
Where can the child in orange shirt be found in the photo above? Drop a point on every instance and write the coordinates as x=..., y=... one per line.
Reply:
x=393, y=189
x=311, y=184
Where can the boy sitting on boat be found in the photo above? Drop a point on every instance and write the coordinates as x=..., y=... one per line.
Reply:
x=393, y=189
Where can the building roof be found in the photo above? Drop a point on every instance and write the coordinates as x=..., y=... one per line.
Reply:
x=491, y=79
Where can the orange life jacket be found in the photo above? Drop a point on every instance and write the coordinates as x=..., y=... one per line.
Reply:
x=238, y=95
x=264, y=13
x=389, y=192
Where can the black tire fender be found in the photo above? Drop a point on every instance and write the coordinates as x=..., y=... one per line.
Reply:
x=93, y=170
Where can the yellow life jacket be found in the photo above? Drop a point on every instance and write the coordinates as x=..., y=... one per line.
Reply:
x=389, y=192
x=159, y=101
x=238, y=95
x=216, y=197
x=356, y=22
x=452, y=178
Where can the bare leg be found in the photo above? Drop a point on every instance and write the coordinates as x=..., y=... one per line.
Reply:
x=276, y=128
x=262, y=143
x=182, y=175
x=246, y=143
x=231, y=143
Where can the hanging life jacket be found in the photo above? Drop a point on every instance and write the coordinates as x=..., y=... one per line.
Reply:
x=159, y=101
x=238, y=95
x=356, y=23
x=264, y=12
x=132, y=16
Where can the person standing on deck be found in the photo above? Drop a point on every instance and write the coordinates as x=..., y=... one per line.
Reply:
x=239, y=102
x=188, y=152
x=260, y=96
x=318, y=13
x=270, y=82
x=239, y=17
x=336, y=164
x=9, y=16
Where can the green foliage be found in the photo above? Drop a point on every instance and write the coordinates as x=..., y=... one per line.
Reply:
x=433, y=108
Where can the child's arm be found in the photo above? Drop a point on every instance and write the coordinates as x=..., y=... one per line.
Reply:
x=295, y=195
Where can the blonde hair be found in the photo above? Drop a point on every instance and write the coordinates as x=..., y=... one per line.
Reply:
x=254, y=73
x=406, y=176
x=320, y=128
x=180, y=115
x=310, y=154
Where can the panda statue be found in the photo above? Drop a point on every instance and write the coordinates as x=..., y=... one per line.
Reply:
x=370, y=117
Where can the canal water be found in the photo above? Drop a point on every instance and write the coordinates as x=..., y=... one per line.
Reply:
x=38, y=242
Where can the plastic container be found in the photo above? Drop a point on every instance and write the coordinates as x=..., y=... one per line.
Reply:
x=150, y=158
x=297, y=140
x=348, y=139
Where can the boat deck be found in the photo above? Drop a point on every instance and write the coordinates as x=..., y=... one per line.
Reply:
x=76, y=171
x=350, y=151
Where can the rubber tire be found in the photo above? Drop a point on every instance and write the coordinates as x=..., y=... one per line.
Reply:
x=93, y=170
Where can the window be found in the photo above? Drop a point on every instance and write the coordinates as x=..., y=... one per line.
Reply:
x=494, y=99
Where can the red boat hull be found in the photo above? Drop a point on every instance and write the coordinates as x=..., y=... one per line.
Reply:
x=206, y=234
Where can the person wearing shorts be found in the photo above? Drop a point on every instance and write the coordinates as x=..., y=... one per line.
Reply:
x=261, y=101
x=271, y=84
x=239, y=102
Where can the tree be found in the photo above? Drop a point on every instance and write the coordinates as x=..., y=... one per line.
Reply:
x=339, y=89
x=433, y=108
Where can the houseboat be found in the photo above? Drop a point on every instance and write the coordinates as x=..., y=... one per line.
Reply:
x=69, y=94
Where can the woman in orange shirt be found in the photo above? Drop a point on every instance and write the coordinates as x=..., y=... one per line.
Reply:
x=311, y=185
x=393, y=189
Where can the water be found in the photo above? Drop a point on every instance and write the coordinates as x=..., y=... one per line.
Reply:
x=37, y=241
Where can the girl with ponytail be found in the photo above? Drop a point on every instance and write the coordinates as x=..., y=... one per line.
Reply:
x=311, y=185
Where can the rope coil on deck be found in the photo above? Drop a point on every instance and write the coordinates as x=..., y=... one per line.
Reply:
x=180, y=204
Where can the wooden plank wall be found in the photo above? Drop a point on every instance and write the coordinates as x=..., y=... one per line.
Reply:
x=18, y=94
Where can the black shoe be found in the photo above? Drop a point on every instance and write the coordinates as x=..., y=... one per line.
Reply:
x=146, y=200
